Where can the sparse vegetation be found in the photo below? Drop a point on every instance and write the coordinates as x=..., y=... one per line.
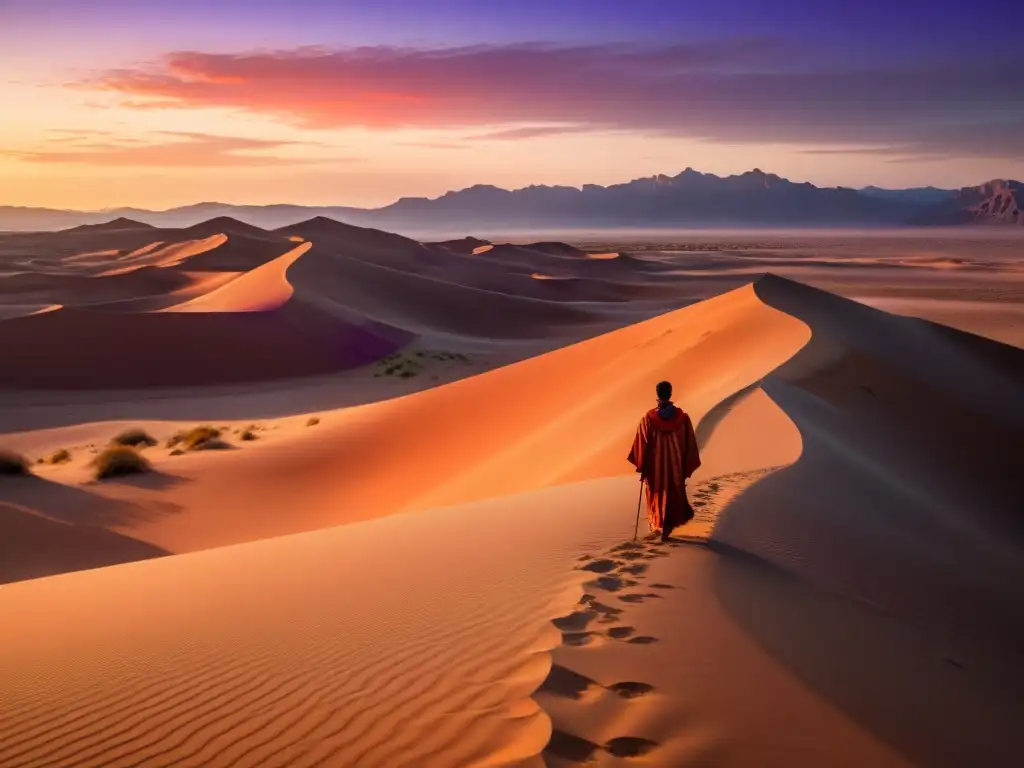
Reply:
x=118, y=461
x=407, y=366
x=214, y=444
x=197, y=439
x=134, y=438
x=247, y=434
x=60, y=456
x=13, y=464
x=313, y=421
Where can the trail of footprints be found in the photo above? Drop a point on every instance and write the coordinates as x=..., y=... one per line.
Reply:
x=617, y=579
x=710, y=496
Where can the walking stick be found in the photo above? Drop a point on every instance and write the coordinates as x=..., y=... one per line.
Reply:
x=639, y=501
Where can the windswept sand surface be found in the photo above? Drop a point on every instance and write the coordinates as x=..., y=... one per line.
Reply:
x=444, y=574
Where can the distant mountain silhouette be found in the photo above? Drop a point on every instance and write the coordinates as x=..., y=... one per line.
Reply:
x=999, y=201
x=923, y=196
x=688, y=199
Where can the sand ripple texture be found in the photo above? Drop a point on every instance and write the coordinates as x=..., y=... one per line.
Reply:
x=413, y=640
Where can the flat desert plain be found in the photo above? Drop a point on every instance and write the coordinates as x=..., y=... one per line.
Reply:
x=386, y=517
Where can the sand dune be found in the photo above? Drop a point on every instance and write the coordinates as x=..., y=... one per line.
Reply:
x=222, y=225
x=263, y=289
x=250, y=329
x=81, y=290
x=424, y=304
x=887, y=406
x=465, y=246
x=460, y=588
x=582, y=402
x=160, y=255
x=425, y=652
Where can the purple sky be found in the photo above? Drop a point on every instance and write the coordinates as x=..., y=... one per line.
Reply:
x=895, y=93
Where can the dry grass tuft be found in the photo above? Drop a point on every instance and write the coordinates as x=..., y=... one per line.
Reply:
x=60, y=456
x=13, y=464
x=195, y=439
x=118, y=461
x=134, y=438
x=213, y=444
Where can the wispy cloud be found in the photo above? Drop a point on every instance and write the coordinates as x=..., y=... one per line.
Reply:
x=182, y=149
x=433, y=145
x=744, y=90
x=530, y=132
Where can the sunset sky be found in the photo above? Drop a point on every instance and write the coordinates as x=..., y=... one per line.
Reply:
x=157, y=104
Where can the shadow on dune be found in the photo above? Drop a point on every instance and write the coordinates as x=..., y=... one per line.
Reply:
x=73, y=505
x=153, y=481
x=928, y=705
x=907, y=499
x=48, y=528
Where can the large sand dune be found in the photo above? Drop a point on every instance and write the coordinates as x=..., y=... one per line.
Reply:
x=459, y=587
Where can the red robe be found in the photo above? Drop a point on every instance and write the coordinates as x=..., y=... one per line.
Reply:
x=665, y=453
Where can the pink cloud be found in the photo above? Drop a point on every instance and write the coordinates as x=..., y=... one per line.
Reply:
x=744, y=90
x=531, y=132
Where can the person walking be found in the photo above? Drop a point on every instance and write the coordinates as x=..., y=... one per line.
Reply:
x=665, y=454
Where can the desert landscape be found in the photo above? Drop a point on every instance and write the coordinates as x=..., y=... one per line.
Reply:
x=326, y=495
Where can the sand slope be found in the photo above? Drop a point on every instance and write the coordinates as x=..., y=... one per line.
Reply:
x=463, y=441
x=909, y=492
x=250, y=329
x=849, y=593
x=340, y=652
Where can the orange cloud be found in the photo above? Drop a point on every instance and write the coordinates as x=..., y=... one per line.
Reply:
x=186, y=150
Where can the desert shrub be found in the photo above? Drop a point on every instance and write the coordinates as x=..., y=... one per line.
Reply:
x=213, y=444
x=59, y=456
x=194, y=439
x=313, y=421
x=134, y=438
x=12, y=463
x=247, y=434
x=120, y=460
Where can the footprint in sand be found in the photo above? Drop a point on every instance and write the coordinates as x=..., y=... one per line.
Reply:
x=635, y=555
x=630, y=690
x=563, y=682
x=610, y=583
x=576, y=750
x=570, y=748
x=606, y=612
x=576, y=621
x=626, y=546
x=620, y=633
x=601, y=566
x=577, y=639
x=630, y=746
x=637, y=597
x=635, y=569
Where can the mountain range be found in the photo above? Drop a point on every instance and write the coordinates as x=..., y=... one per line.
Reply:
x=689, y=199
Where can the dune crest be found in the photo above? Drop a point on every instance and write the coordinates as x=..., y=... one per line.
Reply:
x=263, y=289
